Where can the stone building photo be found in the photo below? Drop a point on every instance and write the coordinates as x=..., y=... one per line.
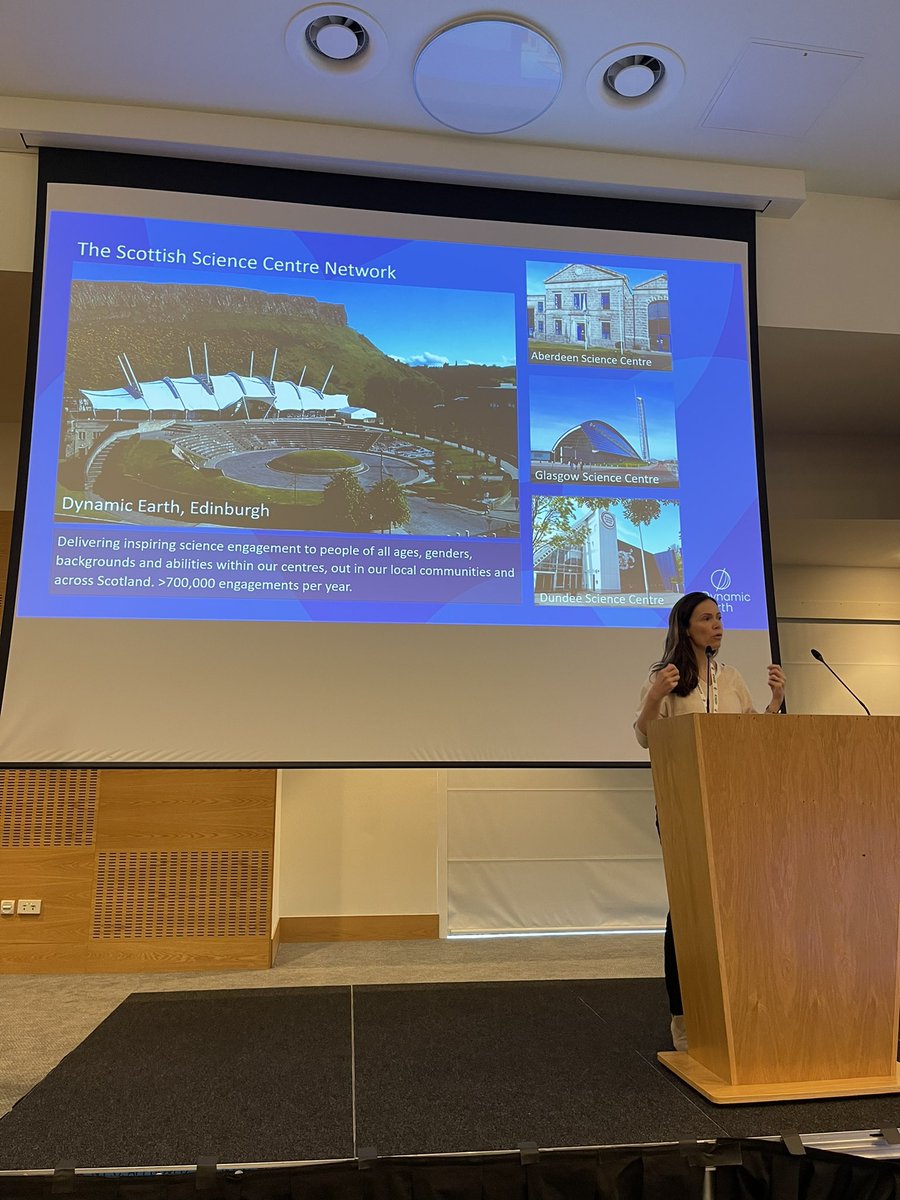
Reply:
x=587, y=315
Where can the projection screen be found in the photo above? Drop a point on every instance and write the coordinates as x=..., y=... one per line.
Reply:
x=317, y=483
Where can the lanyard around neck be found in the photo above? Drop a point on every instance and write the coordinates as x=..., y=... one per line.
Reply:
x=714, y=687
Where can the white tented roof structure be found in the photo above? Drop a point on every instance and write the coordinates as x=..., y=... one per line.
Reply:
x=252, y=386
x=227, y=389
x=114, y=400
x=216, y=393
x=196, y=397
x=313, y=398
x=161, y=396
x=287, y=396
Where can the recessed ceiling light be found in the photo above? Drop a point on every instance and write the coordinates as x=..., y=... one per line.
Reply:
x=487, y=75
x=338, y=39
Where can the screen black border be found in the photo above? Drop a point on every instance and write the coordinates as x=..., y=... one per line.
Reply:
x=287, y=185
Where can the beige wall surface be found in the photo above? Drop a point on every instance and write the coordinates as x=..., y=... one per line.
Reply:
x=9, y=462
x=358, y=842
x=850, y=594
x=833, y=265
x=18, y=190
x=818, y=476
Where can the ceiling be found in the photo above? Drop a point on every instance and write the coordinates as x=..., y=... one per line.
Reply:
x=232, y=59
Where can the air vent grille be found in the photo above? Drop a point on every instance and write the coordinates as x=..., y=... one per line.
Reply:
x=182, y=894
x=43, y=809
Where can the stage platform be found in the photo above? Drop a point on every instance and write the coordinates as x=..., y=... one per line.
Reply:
x=313, y=1073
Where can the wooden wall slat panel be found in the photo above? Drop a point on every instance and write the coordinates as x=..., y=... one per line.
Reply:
x=63, y=881
x=375, y=928
x=175, y=807
x=179, y=875
x=15, y=304
x=196, y=954
x=182, y=893
x=47, y=808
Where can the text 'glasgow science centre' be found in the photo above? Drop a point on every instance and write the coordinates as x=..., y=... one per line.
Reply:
x=272, y=424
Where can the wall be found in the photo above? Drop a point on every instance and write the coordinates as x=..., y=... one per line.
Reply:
x=136, y=870
x=833, y=495
x=833, y=265
x=839, y=498
x=360, y=844
x=18, y=187
x=363, y=844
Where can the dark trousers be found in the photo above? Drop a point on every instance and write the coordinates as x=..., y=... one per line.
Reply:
x=673, y=984
x=670, y=965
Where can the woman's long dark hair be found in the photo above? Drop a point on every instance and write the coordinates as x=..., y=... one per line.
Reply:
x=679, y=649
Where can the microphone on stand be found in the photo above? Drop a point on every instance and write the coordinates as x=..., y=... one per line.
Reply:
x=709, y=654
x=818, y=657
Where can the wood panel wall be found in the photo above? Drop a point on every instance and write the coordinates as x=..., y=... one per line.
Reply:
x=137, y=870
x=5, y=539
x=15, y=302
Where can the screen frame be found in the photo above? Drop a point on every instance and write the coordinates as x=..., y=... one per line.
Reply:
x=371, y=193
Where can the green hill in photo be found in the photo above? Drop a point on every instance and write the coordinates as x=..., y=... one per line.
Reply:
x=154, y=324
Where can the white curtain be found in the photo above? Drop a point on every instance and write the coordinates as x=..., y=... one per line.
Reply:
x=551, y=849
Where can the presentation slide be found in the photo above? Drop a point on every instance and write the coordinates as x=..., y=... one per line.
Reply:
x=259, y=414
x=261, y=424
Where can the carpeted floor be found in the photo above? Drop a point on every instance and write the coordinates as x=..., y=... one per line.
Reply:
x=264, y=1075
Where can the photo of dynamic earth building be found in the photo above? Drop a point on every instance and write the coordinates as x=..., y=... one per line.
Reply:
x=609, y=430
x=586, y=315
x=173, y=416
x=606, y=551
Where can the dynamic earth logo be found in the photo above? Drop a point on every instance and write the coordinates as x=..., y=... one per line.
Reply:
x=721, y=580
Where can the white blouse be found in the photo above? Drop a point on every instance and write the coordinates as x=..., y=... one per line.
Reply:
x=730, y=695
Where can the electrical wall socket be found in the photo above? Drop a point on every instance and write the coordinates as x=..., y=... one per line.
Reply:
x=28, y=908
x=7, y=908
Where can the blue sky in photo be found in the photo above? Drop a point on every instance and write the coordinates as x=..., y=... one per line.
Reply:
x=662, y=533
x=425, y=327
x=557, y=405
x=538, y=272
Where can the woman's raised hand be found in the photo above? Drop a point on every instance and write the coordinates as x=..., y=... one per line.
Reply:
x=665, y=681
x=776, y=683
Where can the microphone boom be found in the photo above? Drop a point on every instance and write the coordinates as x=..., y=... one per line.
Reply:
x=818, y=657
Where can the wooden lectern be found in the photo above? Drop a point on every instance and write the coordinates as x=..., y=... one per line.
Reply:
x=781, y=843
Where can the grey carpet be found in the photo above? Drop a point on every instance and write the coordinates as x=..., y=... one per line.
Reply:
x=267, y=1075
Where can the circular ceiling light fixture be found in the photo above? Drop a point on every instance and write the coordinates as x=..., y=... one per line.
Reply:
x=487, y=75
x=338, y=39
x=636, y=76
x=337, y=36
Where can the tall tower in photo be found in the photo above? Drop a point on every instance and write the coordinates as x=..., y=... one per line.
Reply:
x=601, y=554
x=642, y=422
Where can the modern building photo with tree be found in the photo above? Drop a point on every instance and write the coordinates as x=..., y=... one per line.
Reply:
x=602, y=549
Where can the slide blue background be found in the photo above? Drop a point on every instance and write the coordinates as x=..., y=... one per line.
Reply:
x=710, y=383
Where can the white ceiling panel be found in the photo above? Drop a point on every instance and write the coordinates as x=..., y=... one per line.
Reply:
x=778, y=89
x=234, y=60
